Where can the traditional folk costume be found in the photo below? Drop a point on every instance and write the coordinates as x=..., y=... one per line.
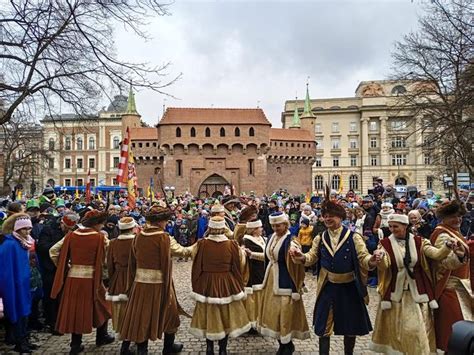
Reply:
x=342, y=263
x=117, y=266
x=256, y=244
x=282, y=315
x=451, y=278
x=152, y=308
x=218, y=209
x=218, y=288
x=404, y=322
x=245, y=215
x=78, y=280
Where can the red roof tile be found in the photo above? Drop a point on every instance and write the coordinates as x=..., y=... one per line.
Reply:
x=143, y=133
x=211, y=116
x=285, y=134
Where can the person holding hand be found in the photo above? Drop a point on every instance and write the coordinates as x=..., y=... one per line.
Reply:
x=342, y=263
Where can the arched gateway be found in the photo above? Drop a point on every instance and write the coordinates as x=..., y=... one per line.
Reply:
x=213, y=186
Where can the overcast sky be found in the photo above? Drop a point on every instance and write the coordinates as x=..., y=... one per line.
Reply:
x=245, y=53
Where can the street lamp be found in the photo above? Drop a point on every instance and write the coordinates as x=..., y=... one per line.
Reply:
x=172, y=188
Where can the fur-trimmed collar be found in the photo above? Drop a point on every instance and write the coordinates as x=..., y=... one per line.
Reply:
x=217, y=237
x=260, y=241
x=126, y=236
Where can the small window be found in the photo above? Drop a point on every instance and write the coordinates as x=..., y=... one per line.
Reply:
x=292, y=145
x=335, y=127
x=154, y=144
x=79, y=143
x=335, y=143
x=237, y=131
x=318, y=182
x=353, y=160
x=178, y=132
x=92, y=163
x=317, y=161
x=51, y=144
x=133, y=145
x=399, y=159
x=80, y=163
x=147, y=144
x=251, y=132
x=317, y=128
x=193, y=132
x=222, y=132
x=116, y=162
x=281, y=144
x=114, y=181
x=251, y=167
x=373, y=125
x=373, y=142
x=399, y=90
x=80, y=182
x=353, y=143
x=51, y=163
x=92, y=182
x=374, y=160
x=427, y=159
x=67, y=163
x=91, y=143
x=335, y=161
x=353, y=182
x=335, y=182
x=278, y=170
x=429, y=182
x=179, y=168
x=353, y=127
x=67, y=143
x=140, y=145
x=116, y=142
x=67, y=182
x=208, y=132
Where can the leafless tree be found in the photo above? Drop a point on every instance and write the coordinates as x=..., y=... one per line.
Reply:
x=437, y=60
x=63, y=51
x=21, y=144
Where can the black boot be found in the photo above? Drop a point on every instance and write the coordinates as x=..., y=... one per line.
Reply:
x=22, y=347
x=349, y=343
x=223, y=346
x=288, y=349
x=142, y=348
x=76, y=344
x=209, y=347
x=125, y=348
x=102, y=337
x=280, y=348
x=169, y=346
x=324, y=345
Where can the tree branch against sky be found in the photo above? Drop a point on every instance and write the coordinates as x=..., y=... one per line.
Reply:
x=64, y=52
x=438, y=60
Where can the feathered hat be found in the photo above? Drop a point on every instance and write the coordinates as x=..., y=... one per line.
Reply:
x=451, y=208
x=331, y=207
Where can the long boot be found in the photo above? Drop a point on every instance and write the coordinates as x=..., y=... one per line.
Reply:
x=142, y=348
x=324, y=345
x=76, y=344
x=169, y=346
x=102, y=337
x=349, y=343
x=125, y=348
x=22, y=347
x=223, y=345
x=209, y=347
x=288, y=349
x=280, y=348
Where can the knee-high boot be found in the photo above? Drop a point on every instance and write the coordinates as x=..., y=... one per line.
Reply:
x=76, y=344
x=223, y=346
x=169, y=346
x=142, y=348
x=102, y=337
x=349, y=343
x=324, y=345
x=125, y=348
x=209, y=347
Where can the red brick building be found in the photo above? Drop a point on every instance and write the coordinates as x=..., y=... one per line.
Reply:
x=201, y=150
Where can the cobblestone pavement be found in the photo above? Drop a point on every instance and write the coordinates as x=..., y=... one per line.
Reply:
x=243, y=345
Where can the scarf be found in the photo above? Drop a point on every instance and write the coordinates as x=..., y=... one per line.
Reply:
x=27, y=244
x=384, y=217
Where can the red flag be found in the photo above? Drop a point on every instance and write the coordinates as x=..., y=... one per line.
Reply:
x=88, y=187
x=123, y=164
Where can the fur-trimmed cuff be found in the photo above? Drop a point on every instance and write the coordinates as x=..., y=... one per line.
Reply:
x=116, y=298
x=295, y=296
x=433, y=304
x=248, y=290
x=385, y=305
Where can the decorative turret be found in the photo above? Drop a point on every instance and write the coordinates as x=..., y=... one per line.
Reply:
x=131, y=118
x=307, y=118
x=296, y=123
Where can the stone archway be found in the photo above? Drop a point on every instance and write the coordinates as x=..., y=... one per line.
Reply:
x=213, y=186
x=400, y=180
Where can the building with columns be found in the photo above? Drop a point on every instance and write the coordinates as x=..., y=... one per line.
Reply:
x=364, y=137
x=76, y=144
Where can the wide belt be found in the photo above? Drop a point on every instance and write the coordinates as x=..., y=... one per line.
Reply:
x=149, y=276
x=340, y=278
x=81, y=271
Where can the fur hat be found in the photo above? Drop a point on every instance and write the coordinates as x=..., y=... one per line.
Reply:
x=278, y=217
x=253, y=224
x=158, y=214
x=94, y=217
x=451, y=208
x=70, y=219
x=246, y=213
x=126, y=223
x=400, y=218
x=217, y=208
x=217, y=222
x=331, y=207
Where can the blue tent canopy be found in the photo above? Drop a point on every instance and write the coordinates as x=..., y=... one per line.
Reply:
x=94, y=189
